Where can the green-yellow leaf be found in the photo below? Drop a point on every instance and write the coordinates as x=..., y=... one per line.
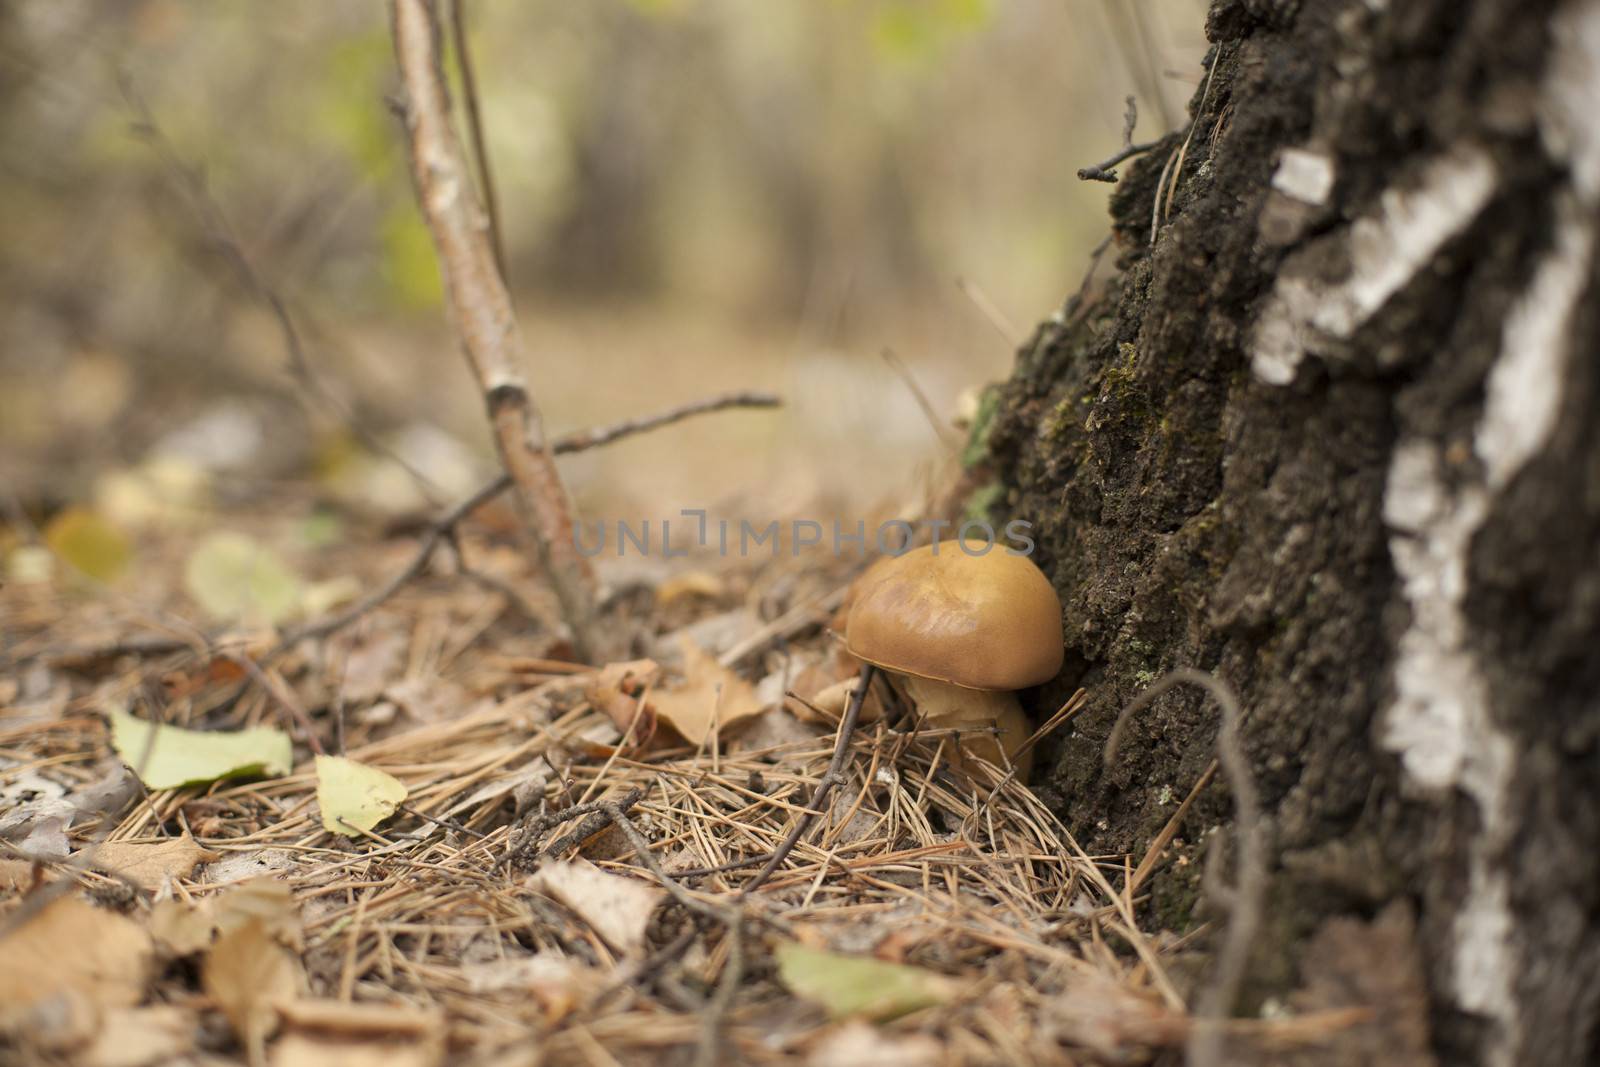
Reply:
x=353, y=796
x=848, y=986
x=233, y=577
x=89, y=543
x=167, y=757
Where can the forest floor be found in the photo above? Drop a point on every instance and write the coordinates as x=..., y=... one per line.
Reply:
x=555, y=878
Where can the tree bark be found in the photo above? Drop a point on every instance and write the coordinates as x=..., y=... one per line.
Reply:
x=1333, y=434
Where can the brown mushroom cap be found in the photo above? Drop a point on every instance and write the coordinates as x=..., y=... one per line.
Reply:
x=980, y=622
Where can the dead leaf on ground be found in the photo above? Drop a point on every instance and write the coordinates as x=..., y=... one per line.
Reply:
x=690, y=584
x=247, y=974
x=142, y=1037
x=560, y=984
x=150, y=863
x=616, y=908
x=353, y=796
x=710, y=698
x=832, y=700
x=73, y=948
x=180, y=929
x=617, y=692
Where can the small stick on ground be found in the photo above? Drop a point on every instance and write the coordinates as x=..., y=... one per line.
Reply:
x=832, y=777
x=596, y=816
x=1217, y=1000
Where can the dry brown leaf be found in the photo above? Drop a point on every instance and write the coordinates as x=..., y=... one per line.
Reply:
x=711, y=697
x=247, y=974
x=560, y=984
x=616, y=908
x=72, y=948
x=16, y=876
x=151, y=863
x=141, y=1037
x=180, y=929
x=831, y=702
x=312, y=1050
x=617, y=691
x=266, y=900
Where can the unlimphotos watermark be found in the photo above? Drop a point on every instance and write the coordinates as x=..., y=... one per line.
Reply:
x=744, y=538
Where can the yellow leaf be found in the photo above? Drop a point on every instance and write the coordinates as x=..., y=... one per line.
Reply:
x=167, y=757
x=233, y=577
x=89, y=543
x=859, y=986
x=353, y=796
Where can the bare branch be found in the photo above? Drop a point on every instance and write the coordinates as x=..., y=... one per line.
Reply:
x=481, y=309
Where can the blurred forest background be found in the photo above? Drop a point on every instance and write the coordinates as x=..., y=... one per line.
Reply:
x=698, y=195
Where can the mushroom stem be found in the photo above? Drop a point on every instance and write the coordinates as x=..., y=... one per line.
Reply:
x=976, y=712
x=832, y=777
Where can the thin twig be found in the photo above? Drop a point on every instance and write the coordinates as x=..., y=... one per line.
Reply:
x=940, y=429
x=444, y=526
x=832, y=777
x=716, y=1009
x=1103, y=172
x=1244, y=919
x=487, y=327
x=596, y=815
x=480, y=148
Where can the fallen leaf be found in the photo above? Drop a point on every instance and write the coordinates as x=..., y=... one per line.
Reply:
x=47, y=840
x=849, y=986
x=833, y=699
x=710, y=698
x=142, y=1037
x=151, y=863
x=353, y=796
x=72, y=948
x=560, y=984
x=235, y=578
x=264, y=900
x=246, y=974
x=618, y=691
x=167, y=757
x=180, y=929
x=89, y=543
x=16, y=876
x=616, y=908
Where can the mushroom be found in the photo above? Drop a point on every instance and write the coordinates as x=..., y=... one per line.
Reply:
x=959, y=632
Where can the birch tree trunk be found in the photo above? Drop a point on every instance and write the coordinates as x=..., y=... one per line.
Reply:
x=1333, y=433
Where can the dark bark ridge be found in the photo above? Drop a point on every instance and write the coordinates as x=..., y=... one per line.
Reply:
x=1333, y=435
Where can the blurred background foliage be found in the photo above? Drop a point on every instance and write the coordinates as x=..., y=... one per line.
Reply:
x=698, y=195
